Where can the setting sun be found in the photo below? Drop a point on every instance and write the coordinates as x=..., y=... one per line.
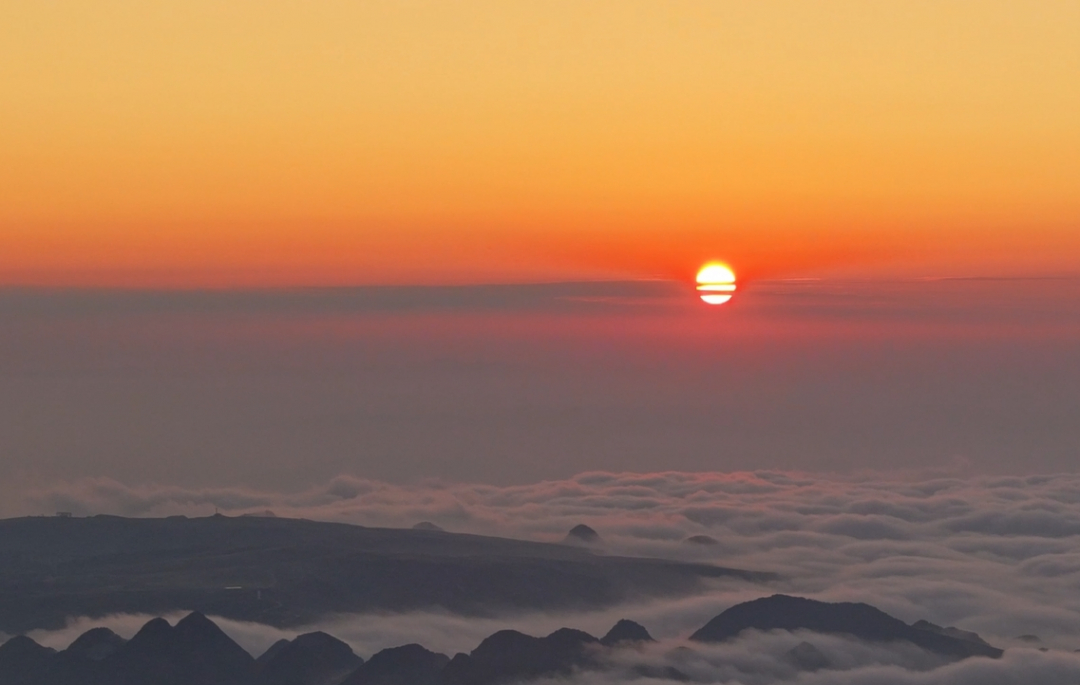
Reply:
x=716, y=283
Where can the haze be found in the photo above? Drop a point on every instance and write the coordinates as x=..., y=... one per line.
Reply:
x=511, y=384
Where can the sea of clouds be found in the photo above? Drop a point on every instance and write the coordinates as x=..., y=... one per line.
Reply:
x=996, y=555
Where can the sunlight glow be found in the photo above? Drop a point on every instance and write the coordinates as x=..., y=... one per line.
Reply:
x=717, y=287
x=712, y=274
x=716, y=283
x=715, y=299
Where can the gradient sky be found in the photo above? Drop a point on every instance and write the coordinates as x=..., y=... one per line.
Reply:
x=205, y=165
x=270, y=142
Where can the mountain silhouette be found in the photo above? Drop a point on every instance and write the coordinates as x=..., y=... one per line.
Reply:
x=781, y=612
x=310, y=659
x=289, y=572
x=626, y=631
x=582, y=535
x=510, y=656
x=96, y=644
x=197, y=652
x=25, y=662
x=405, y=665
x=194, y=651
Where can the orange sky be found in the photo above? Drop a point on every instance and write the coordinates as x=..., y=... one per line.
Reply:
x=268, y=142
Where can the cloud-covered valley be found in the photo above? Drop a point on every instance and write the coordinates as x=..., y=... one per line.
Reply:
x=995, y=555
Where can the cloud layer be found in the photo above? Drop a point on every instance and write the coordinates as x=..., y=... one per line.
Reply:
x=761, y=659
x=1000, y=556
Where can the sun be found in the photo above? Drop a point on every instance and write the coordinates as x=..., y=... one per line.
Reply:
x=716, y=283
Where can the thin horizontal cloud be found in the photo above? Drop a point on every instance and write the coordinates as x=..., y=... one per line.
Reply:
x=587, y=295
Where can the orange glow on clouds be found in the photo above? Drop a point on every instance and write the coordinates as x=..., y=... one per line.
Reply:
x=273, y=142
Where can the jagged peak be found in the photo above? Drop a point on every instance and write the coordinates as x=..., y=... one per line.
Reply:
x=154, y=630
x=582, y=533
x=195, y=619
x=273, y=650
x=626, y=631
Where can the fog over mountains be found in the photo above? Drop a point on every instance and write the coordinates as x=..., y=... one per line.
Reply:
x=997, y=555
x=513, y=384
x=988, y=564
x=196, y=652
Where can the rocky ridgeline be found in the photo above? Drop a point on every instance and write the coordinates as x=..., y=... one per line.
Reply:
x=196, y=652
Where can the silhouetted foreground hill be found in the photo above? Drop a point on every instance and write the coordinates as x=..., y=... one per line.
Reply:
x=197, y=652
x=863, y=621
x=289, y=572
x=314, y=658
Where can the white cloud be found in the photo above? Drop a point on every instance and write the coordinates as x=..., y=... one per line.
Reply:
x=994, y=555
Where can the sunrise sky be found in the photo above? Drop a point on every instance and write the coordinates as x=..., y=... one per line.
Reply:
x=799, y=276
x=278, y=142
x=520, y=195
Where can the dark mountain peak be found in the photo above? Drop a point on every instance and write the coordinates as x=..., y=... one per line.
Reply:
x=154, y=633
x=460, y=671
x=155, y=626
x=196, y=623
x=806, y=657
x=194, y=651
x=273, y=650
x=24, y=661
x=310, y=659
x=582, y=534
x=21, y=646
x=626, y=631
x=701, y=540
x=501, y=642
x=96, y=644
x=510, y=656
x=197, y=627
x=406, y=665
x=782, y=612
x=570, y=636
x=406, y=653
x=196, y=632
x=322, y=642
x=509, y=641
x=428, y=525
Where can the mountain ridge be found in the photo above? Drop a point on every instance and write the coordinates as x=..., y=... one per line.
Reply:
x=196, y=652
x=784, y=612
